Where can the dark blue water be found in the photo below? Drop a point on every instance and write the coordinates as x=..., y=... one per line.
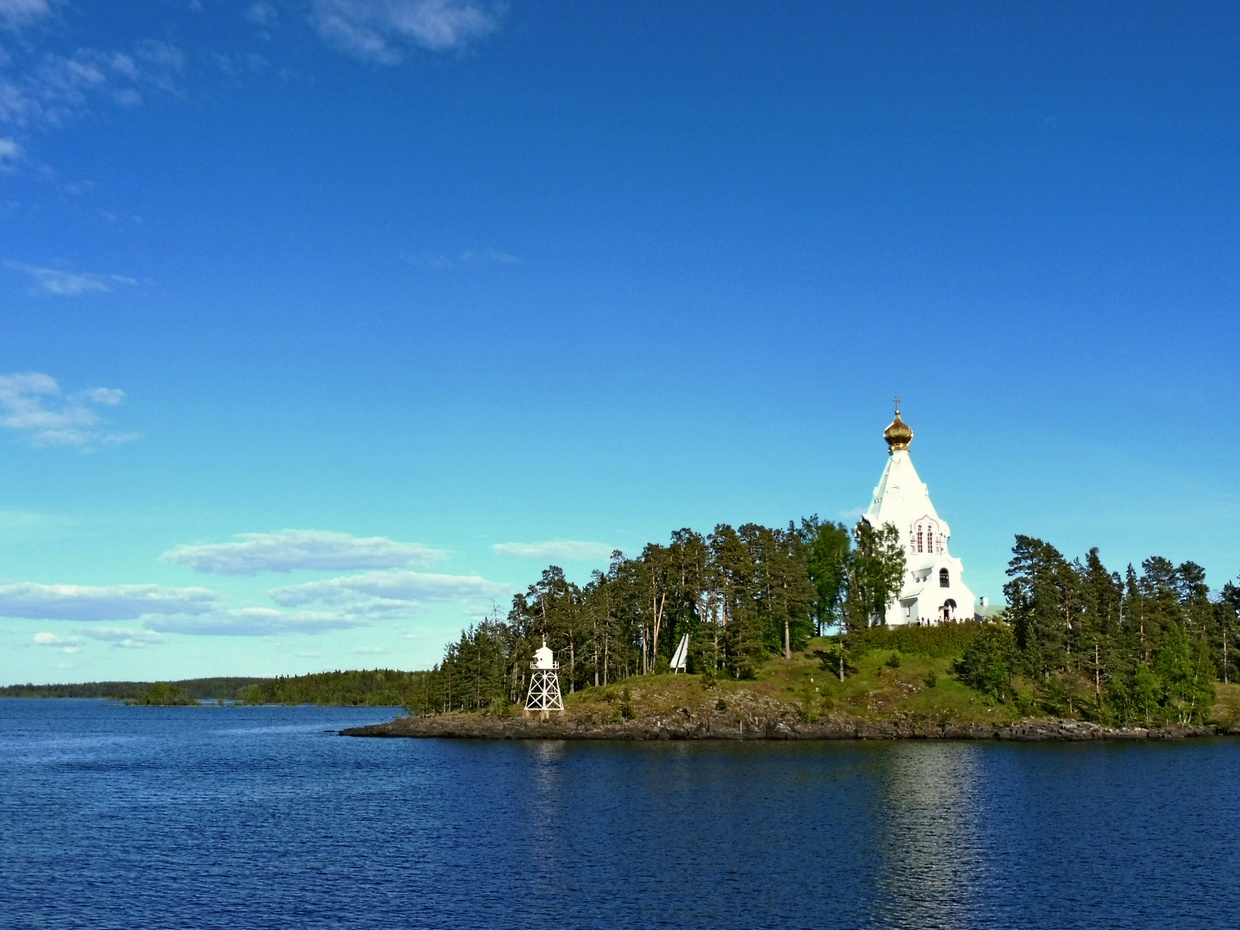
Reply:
x=252, y=818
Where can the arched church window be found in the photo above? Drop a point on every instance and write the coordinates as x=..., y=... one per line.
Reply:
x=944, y=581
x=919, y=540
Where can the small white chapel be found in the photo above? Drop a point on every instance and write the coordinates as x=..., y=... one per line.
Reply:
x=934, y=590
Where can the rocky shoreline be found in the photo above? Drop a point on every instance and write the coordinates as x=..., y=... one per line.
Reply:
x=686, y=726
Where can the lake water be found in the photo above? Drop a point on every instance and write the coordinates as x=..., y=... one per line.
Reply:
x=251, y=818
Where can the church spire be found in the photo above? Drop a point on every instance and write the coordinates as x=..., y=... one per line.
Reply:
x=898, y=434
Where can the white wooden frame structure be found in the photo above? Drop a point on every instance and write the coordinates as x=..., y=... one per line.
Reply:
x=544, y=696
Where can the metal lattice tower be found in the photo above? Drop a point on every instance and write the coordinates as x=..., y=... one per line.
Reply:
x=544, y=694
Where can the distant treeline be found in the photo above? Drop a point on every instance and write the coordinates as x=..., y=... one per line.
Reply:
x=375, y=688
x=742, y=594
x=206, y=689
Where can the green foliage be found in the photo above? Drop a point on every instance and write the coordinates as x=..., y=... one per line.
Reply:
x=986, y=664
x=209, y=689
x=741, y=594
x=827, y=550
x=1078, y=639
x=625, y=709
x=372, y=688
x=1142, y=649
x=164, y=694
x=941, y=641
x=875, y=574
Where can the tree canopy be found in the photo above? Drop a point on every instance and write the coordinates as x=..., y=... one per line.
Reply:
x=743, y=594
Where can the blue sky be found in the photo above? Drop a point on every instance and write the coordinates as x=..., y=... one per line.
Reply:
x=326, y=324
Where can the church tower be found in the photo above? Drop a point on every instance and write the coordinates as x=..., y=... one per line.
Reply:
x=934, y=590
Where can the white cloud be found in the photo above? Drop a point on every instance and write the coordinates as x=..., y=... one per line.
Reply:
x=32, y=403
x=563, y=550
x=389, y=588
x=56, y=282
x=10, y=153
x=381, y=30
x=31, y=601
x=465, y=258
x=289, y=550
x=255, y=621
x=64, y=644
x=122, y=637
x=14, y=14
x=48, y=89
x=369, y=650
x=262, y=14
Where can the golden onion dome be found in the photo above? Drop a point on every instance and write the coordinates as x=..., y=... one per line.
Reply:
x=898, y=434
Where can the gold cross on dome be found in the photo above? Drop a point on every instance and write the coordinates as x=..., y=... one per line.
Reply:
x=896, y=400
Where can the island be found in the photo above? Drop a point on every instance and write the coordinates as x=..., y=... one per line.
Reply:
x=887, y=694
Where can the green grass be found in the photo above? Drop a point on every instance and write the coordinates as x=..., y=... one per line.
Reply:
x=875, y=688
x=1226, y=712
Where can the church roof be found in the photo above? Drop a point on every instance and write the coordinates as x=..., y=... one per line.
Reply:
x=901, y=497
x=898, y=435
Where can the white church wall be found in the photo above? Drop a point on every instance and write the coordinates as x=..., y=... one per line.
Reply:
x=902, y=499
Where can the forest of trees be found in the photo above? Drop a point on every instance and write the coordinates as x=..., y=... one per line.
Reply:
x=163, y=694
x=379, y=687
x=206, y=689
x=1079, y=639
x=742, y=594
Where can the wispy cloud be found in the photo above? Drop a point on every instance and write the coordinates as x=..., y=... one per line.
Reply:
x=262, y=14
x=342, y=603
x=254, y=621
x=290, y=550
x=31, y=601
x=17, y=14
x=32, y=403
x=65, y=644
x=122, y=637
x=462, y=259
x=388, y=595
x=22, y=525
x=47, y=90
x=566, y=550
x=383, y=30
x=57, y=282
x=10, y=153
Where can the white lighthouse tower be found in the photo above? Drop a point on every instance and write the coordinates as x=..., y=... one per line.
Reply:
x=934, y=590
x=544, y=694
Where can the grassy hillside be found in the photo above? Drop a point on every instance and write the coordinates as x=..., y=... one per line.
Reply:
x=876, y=687
x=892, y=675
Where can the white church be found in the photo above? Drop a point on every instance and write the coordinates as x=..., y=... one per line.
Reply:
x=934, y=590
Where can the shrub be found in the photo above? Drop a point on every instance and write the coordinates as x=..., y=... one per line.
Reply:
x=987, y=661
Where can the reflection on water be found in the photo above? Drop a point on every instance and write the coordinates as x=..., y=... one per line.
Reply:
x=928, y=819
x=545, y=820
